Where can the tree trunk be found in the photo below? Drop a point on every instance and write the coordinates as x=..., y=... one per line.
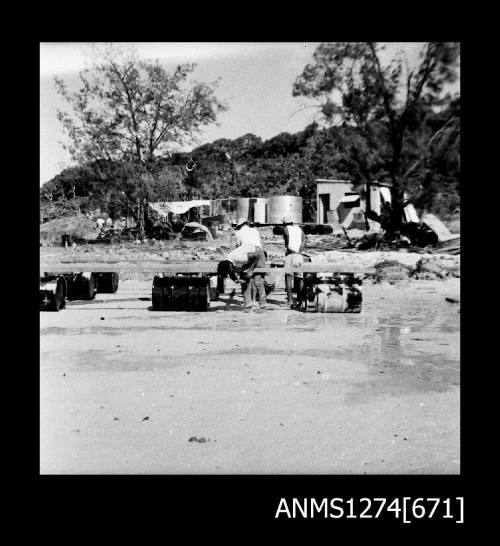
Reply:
x=397, y=206
x=141, y=219
x=397, y=195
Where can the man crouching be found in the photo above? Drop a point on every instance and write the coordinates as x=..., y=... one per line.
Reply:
x=249, y=254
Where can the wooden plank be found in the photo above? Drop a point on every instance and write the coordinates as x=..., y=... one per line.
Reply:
x=319, y=268
x=125, y=267
x=192, y=267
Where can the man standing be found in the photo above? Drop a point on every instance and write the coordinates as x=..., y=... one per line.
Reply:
x=250, y=254
x=295, y=242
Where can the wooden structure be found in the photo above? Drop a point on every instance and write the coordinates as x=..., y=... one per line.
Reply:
x=341, y=204
x=202, y=267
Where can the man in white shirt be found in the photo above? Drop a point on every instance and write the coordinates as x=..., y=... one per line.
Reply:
x=247, y=239
x=295, y=242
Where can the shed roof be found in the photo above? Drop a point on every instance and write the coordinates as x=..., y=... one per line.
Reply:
x=318, y=180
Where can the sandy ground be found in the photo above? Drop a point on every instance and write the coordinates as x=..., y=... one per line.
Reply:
x=278, y=392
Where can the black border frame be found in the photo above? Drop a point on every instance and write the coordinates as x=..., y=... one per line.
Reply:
x=222, y=500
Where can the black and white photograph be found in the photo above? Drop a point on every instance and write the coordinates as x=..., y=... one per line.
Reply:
x=249, y=258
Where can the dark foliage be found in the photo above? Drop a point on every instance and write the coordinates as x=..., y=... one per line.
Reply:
x=248, y=166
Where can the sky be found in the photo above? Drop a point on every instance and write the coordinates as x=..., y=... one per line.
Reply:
x=255, y=81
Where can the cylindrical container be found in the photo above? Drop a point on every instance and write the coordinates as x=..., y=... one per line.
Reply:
x=260, y=210
x=107, y=283
x=323, y=229
x=212, y=227
x=331, y=301
x=349, y=300
x=242, y=207
x=82, y=286
x=285, y=205
x=181, y=293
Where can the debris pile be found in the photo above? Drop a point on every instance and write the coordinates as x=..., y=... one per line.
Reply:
x=451, y=246
x=116, y=236
x=319, y=243
x=391, y=271
x=393, y=266
x=76, y=226
x=437, y=266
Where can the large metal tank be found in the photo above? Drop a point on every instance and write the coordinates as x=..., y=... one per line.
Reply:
x=283, y=205
x=242, y=207
x=258, y=209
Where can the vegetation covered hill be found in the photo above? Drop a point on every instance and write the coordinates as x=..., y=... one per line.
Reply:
x=248, y=166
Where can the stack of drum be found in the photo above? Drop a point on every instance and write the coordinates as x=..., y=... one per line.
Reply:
x=258, y=210
x=242, y=207
x=269, y=210
x=285, y=205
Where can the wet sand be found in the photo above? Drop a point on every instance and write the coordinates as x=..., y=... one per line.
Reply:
x=278, y=392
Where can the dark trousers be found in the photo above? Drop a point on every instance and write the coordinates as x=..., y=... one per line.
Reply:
x=289, y=282
x=253, y=290
x=252, y=284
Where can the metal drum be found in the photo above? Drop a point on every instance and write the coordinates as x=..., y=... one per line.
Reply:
x=260, y=205
x=283, y=205
x=181, y=293
x=242, y=207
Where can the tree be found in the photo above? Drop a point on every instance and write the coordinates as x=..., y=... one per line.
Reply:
x=383, y=109
x=135, y=110
x=170, y=183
